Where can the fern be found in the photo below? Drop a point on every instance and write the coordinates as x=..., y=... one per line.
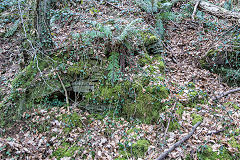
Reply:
x=99, y=31
x=113, y=67
x=13, y=29
x=159, y=28
x=149, y=6
x=161, y=18
x=129, y=30
x=169, y=16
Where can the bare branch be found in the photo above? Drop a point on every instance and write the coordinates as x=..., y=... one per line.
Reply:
x=162, y=156
x=218, y=11
x=226, y=93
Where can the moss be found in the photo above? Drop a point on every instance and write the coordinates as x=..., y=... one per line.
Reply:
x=140, y=147
x=196, y=96
x=207, y=153
x=121, y=159
x=133, y=130
x=144, y=60
x=43, y=127
x=160, y=78
x=235, y=106
x=25, y=78
x=158, y=90
x=146, y=80
x=71, y=121
x=75, y=69
x=108, y=94
x=204, y=61
x=180, y=109
x=161, y=66
x=152, y=69
x=149, y=38
x=65, y=150
x=196, y=118
x=147, y=105
x=234, y=143
x=137, y=149
x=173, y=126
x=133, y=99
x=191, y=85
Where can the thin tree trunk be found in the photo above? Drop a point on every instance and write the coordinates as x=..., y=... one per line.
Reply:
x=42, y=23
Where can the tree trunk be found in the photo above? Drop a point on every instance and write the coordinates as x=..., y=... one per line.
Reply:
x=42, y=23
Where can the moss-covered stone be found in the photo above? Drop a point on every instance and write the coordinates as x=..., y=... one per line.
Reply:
x=147, y=105
x=149, y=38
x=144, y=60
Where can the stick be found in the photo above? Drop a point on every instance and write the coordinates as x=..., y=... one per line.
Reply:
x=217, y=11
x=215, y=132
x=163, y=155
x=167, y=128
x=65, y=91
x=225, y=93
x=195, y=10
x=110, y=4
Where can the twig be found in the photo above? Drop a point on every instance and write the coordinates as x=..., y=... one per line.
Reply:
x=195, y=10
x=169, y=119
x=226, y=93
x=162, y=156
x=65, y=91
x=110, y=4
x=215, y=132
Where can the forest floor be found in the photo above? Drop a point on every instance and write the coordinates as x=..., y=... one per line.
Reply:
x=45, y=135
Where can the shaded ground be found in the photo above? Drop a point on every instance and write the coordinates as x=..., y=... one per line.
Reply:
x=47, y=133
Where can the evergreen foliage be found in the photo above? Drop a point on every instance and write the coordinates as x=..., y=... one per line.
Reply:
x=113, y=68
x=12, y=29
x=149, y=6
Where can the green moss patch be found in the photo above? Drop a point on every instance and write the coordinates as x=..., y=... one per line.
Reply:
x=196, y=118
x=207, y=153
x=71, y=121
x=66, y=150
x=137, y=149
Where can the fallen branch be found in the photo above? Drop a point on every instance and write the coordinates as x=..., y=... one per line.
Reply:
x=65, y=91
x=217, y=11
x=225, y=93
x=215, y=132
x=162, y=156
x=195, y=10
x=110, y=4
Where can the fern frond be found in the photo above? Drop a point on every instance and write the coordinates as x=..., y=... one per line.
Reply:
x=159, y=28
x=113, y=67
x=129, y=30
x=172, y=16
x=149, y=6
x=12, y=29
